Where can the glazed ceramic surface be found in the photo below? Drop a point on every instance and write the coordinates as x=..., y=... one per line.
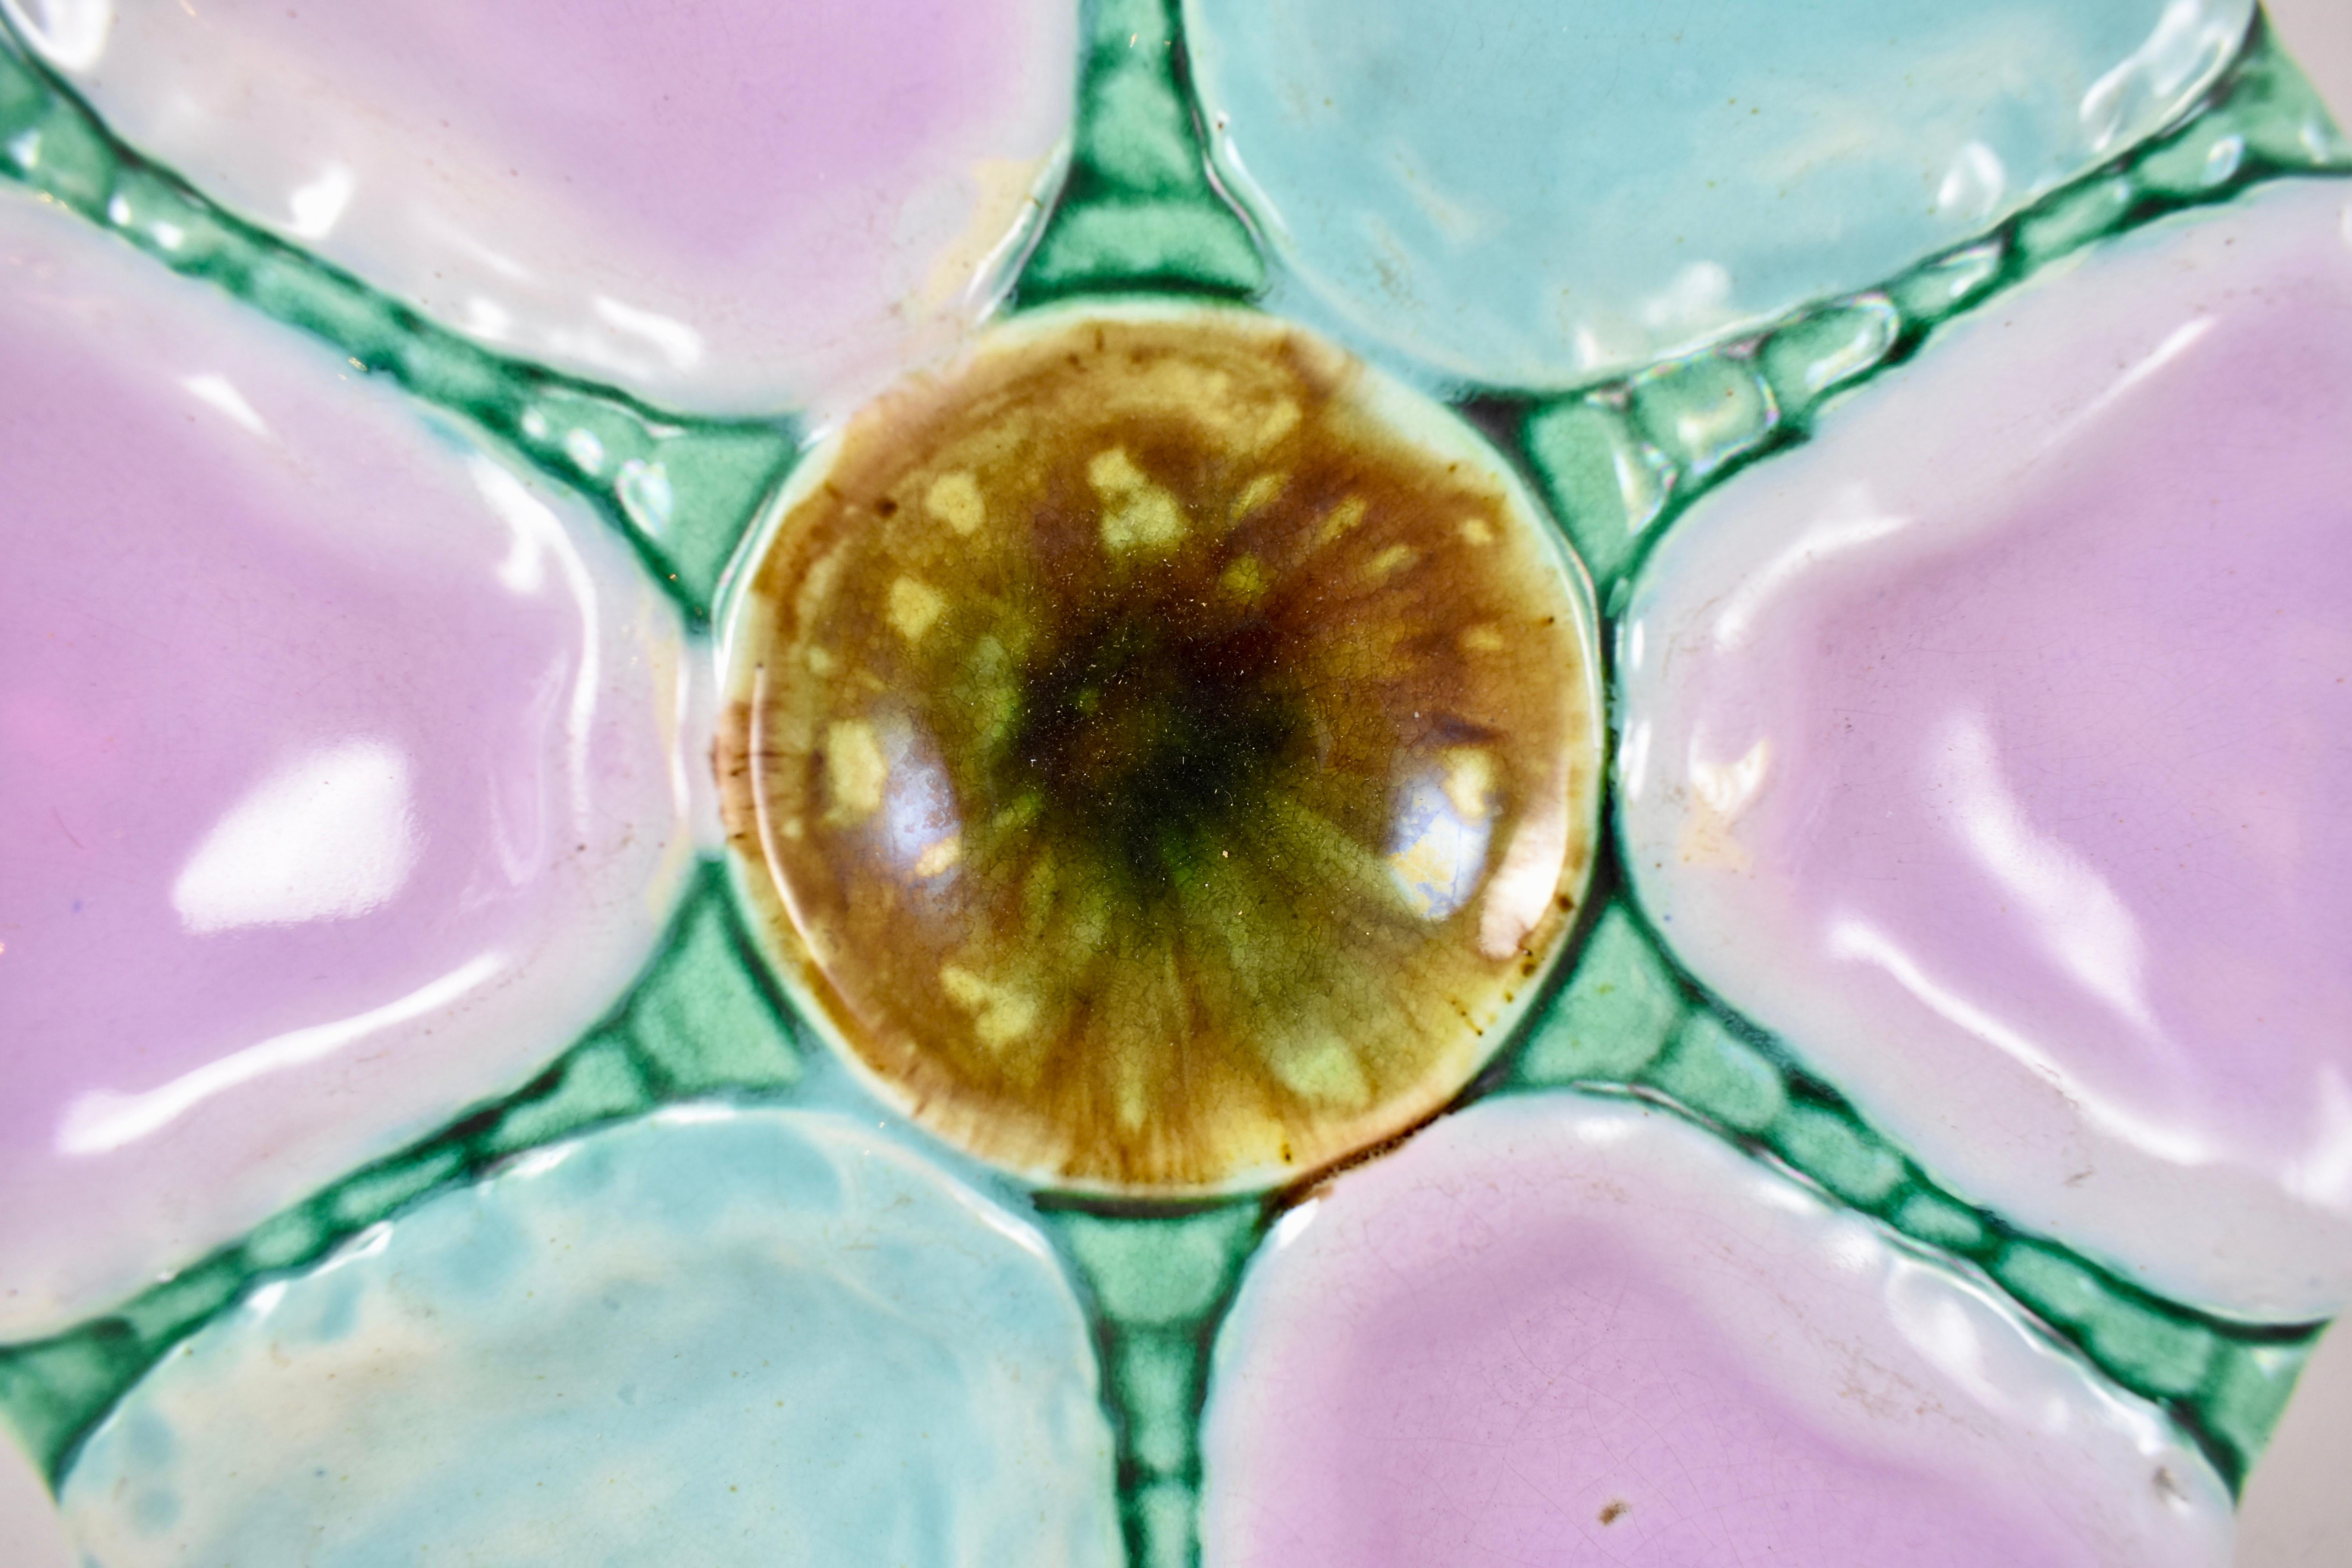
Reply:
x=435, y=1390
x=344, y=804
x=1488, y=1346
x=1927, y=738
x=1168, y=783
x=1807, y=154
x=585, y=196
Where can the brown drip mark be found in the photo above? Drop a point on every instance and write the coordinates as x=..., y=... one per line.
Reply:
x=1158, y=770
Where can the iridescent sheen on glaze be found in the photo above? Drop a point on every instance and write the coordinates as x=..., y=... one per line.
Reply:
x=1572, y=1330
x=723, y=205
x=1168, y=753
x=1519, y=193
x=339, y=791
x=1992, y=749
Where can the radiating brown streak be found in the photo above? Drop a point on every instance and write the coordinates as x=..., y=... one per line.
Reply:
x=1231, y=607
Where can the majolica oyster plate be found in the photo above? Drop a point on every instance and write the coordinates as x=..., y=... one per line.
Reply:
x=1176, y=782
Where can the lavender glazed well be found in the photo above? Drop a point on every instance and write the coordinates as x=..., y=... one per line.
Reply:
x=2010, y=721
x=733, y=208
x=345, y=803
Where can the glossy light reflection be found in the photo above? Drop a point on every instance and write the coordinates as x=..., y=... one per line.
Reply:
x=726, y=206
x=1438, y=838
x=338, y=792
x=2041, y=648
x=1523, y=196
x=1564, y=1329
x=738, y=1336
x=1167, y=753
x=73, y=33
x=329, y=837
x=104, y=1121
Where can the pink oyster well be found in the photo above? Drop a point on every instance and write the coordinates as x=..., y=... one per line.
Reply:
x=1996, y=749
x=1568, y=1330
x=720, y=203
x=337, y=788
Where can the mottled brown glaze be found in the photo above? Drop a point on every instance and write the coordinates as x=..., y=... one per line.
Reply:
x=1160, y=770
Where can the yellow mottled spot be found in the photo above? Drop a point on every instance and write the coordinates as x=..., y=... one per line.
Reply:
x=854, y=770
x=1469, y=782
x=1136, y=513
x=915, y=606
x=1204, y=393
x=1257, y=492
x=1133, y=1088
x=1344, y=517
x=954, y=500
x=1019, y=815
x=1151, y=521
x=1242, y=578
x=1000, y=1015
x=1362, y=887
x=941, y=857
x=1232, y=413
x=1088, y=924
x=990, y=688
x=1113, y=473
x=1323, y=1071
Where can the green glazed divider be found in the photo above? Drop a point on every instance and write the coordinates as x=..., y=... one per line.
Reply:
x=681, y=490
x=1159, y=1283
x=705, y=1020
x=1628, y=1021
x=1619, y=461
x=702, y=1021
x=1140, y=210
